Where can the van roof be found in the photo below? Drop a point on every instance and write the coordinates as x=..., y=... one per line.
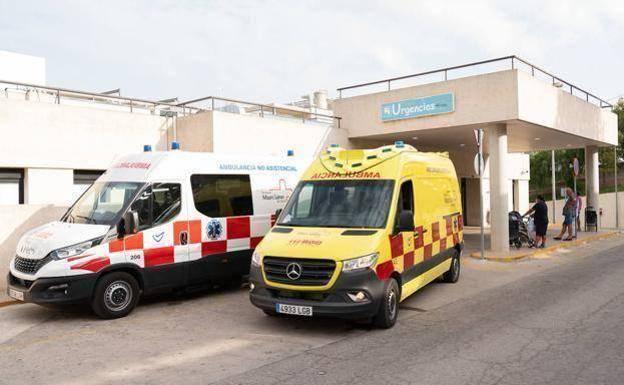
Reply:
x=176, y=165
x=386, y=161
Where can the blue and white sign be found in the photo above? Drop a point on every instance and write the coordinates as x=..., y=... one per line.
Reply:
x=414, y=108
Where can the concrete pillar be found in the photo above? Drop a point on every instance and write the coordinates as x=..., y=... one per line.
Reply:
x=591, y=177
x=499, y=186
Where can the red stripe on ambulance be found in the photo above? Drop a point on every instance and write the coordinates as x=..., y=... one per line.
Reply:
x=214, y=247
x=93, y=265
x=238, y=227
x=158, y=256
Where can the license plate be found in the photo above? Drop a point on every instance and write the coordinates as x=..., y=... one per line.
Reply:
x=294, y=309
x=18, y=295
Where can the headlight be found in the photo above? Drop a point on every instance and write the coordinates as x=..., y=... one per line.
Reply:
x=76, y=249
x=359, y=263
x=256, y=259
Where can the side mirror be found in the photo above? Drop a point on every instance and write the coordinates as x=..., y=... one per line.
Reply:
x=406, y=221
x=128, y=224
x=278, y=212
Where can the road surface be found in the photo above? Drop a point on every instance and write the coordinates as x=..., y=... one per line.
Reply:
x=559, y=320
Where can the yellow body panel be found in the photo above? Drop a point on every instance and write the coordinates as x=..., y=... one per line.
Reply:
x=437, y=218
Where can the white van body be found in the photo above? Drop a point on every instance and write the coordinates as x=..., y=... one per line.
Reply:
x=200, y=215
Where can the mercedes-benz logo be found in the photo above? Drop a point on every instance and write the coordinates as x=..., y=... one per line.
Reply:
x=293, y=271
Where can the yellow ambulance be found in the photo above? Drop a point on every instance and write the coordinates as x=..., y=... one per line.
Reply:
x=362, y=231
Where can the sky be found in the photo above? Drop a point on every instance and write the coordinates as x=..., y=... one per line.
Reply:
x=276, y=51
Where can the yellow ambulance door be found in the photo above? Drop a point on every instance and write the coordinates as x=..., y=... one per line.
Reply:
x=402, y=242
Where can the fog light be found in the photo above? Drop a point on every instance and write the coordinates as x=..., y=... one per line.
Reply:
x=251, y=286
x=359, y=296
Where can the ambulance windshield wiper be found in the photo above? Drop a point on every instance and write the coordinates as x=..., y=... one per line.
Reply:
x=88, y=219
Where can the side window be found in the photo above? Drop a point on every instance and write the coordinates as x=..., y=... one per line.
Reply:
x=304, y=201
x=166, y=202
x=219, y=196
x=406, y=199
x=157, y=204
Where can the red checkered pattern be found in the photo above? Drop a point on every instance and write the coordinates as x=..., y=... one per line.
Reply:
x=407, y=251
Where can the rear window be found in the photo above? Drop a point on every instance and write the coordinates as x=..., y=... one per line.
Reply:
x=218, y=196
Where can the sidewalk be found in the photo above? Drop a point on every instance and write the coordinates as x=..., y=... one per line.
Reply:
x=472, y=244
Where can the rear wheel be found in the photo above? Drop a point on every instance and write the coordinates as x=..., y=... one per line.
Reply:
x=452, y=275
x=389, y=310
x=116, y=295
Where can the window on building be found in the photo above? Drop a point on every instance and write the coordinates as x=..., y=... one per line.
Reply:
x=219, y=196
x=158, y=204
x=11, y=186
x=82, y=180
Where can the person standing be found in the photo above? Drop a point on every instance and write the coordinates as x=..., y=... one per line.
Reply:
x=540, y=218
x=569, y=211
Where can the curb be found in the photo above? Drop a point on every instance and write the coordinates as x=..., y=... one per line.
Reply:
x=521, y=256
x=9, y=302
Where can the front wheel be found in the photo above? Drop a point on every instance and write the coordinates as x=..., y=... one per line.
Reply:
x=389, y=310
x=116, y=295
x=452, y=275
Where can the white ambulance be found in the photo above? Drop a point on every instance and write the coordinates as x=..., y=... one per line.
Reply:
x=153, y=221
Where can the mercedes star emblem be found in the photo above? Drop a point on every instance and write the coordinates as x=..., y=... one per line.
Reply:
x=293, y=271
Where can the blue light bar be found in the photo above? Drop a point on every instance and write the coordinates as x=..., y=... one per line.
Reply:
x=147, y=148
x=399, y=144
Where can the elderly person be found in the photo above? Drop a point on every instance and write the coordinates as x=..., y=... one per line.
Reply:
x=569, y=215
x=540, y=218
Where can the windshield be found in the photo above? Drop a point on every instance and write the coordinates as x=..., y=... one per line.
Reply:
x=103, y=203
x=339, y=203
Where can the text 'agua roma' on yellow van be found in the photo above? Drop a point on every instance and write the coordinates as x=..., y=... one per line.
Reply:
x=362, y=231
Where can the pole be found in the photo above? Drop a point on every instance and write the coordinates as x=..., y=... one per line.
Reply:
x=481, y=193
x=554, y=187
x=615, y=172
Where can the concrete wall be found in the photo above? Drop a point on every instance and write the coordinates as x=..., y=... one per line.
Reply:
x=22, y=68
x=224, y=132
x=478, y=99
x=607, y=203
x=16, y=220
x=45, y=135
x=48, y=186
x=557, y=108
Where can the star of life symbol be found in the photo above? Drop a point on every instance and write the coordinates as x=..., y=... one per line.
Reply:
x=214, y=229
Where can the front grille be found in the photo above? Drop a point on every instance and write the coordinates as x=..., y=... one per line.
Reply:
x=314, y=272
x=30, y=266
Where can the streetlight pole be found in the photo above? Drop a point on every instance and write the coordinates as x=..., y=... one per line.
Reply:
x=554, y=188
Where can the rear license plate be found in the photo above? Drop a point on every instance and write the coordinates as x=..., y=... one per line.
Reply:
x=18, y=295
x=294, y=309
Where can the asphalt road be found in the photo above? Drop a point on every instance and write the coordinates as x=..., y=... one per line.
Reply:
x=559, y=320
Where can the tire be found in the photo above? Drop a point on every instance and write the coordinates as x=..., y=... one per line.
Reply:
x=389, y=309
x=116, y=295
x=518, y=244
x=452, y=275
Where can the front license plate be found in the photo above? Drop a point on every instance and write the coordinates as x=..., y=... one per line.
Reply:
x=294, y=309
x=18, y=295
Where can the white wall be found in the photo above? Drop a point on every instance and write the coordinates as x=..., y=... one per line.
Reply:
x=48, y=186
x=16, y=220
x=607, y=204
x=223, y=132
x=22, y=68
x=43, y=135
